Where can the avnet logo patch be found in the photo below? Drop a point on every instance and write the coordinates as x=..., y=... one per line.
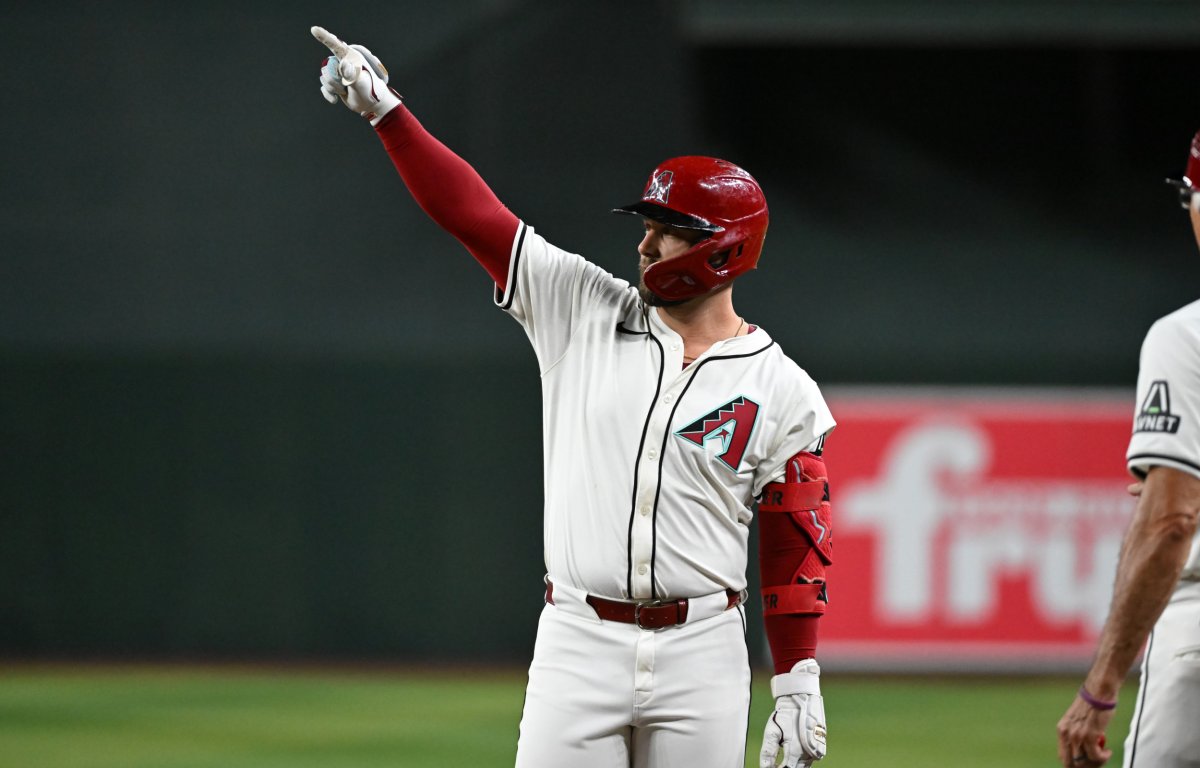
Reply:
x=1155, y=415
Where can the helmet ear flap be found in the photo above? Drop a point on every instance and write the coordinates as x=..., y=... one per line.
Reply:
x=1186, y=186
x=720, y=259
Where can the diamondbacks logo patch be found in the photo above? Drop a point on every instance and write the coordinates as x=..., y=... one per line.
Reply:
x=1155, y=414
x=659, y=188
x=725, y=432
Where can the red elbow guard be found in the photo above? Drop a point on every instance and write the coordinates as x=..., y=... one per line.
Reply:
x=795, y=546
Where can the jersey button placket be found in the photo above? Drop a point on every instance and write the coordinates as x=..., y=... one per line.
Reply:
x=647, y=491
x=643, y=533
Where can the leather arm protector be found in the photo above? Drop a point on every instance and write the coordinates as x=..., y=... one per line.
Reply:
x=795, y=547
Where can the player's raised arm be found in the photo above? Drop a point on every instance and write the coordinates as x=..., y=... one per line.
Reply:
x=445, y=186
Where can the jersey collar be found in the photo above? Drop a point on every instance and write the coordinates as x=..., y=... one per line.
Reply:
x=741, y=345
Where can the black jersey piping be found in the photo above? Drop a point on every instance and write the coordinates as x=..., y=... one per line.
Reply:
x=1176, y=459
x=637, y=464
x=662, y=452
x=1141, y=704
x=629, y=331
x=511, y=290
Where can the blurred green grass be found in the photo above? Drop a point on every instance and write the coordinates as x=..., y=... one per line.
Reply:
x=138, y=716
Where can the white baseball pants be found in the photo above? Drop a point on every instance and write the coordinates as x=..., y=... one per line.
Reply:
x=612, y=695
x=1165, y=732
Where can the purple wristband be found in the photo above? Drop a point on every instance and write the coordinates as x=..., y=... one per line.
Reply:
x=1095, y=703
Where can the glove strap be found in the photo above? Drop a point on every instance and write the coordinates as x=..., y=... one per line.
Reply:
x=793, y=683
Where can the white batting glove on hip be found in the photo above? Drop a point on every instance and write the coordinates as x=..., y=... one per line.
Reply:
x=797, y=726
x=356, y=77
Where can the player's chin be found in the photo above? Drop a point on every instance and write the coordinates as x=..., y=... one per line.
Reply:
x=647, y=296
x=653, y=299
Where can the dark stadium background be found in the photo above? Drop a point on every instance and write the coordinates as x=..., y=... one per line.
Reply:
x=254, y=405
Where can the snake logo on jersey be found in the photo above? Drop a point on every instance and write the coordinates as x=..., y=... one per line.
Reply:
x=724, y=432
x=1155, y=415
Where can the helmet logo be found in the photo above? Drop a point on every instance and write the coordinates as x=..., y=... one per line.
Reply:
x=659, y=188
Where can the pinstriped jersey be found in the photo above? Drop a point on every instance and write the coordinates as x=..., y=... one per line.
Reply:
x=651, y=468
x=1166, y=426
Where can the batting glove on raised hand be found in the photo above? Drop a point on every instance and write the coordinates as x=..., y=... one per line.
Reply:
x=356, y=76
x=797, y=726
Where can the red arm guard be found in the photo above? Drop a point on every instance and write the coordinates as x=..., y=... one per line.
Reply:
x=450, y=191
x=795, y=545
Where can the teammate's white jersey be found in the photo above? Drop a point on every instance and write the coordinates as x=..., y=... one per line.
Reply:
x=1166, y=429
x=651, y=468
x=1166, y=432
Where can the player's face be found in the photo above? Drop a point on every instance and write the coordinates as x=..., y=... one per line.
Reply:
x=660, y=243
x=1195, y=214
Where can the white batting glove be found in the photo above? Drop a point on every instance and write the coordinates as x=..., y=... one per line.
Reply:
x=356, y=77
x=797, y=726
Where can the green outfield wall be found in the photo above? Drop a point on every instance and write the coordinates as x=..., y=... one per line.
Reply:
x=270, y=508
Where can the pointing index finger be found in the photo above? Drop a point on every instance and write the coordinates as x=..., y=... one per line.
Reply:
x=330, y=41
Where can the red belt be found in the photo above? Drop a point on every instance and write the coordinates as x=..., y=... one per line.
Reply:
x=648, y=614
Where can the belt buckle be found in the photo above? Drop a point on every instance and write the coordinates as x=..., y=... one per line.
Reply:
x=637, y=614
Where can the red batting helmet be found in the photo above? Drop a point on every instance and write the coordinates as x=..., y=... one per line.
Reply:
x=1191, y=175
x=712, y=196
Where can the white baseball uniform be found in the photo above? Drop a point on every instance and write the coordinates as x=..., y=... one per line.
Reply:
x=1164, y=732
x=651, y=470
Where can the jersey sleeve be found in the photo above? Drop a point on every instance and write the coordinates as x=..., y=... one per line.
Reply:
x=806, y=424
x=550, y=292
x=1166, y=426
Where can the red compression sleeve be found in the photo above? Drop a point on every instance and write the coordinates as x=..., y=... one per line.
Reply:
x=450, y=191
x=792, y=637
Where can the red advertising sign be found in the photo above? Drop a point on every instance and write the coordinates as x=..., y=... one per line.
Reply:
x=974, y=529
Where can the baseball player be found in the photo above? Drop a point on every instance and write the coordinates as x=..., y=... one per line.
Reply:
x=1156, y=596
x=666, y=416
